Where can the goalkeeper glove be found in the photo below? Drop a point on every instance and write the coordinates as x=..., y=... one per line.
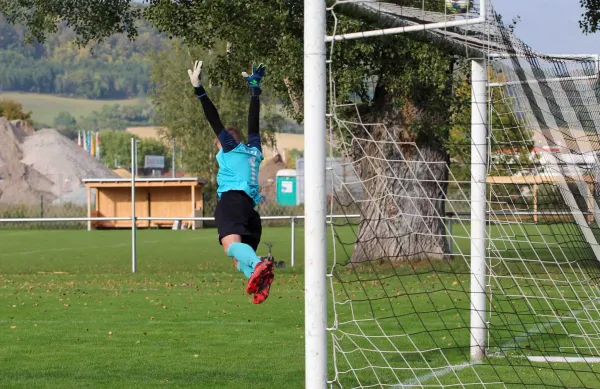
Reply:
x=254, y=80
x=195, y=74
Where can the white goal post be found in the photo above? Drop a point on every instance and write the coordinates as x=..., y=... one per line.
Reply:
x=315, y=111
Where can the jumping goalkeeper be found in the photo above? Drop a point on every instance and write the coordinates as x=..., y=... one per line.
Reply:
x=238, y=223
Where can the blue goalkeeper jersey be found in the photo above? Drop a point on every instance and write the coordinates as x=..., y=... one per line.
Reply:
x=238, y=170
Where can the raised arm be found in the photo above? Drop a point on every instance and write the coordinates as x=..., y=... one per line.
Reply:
x=253, y=122
x=254, y=113
x=210, y=111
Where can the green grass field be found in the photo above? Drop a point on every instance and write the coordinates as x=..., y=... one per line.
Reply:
x=72, y=315
x=46, y=107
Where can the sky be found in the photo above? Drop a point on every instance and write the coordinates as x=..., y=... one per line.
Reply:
x=550, y=26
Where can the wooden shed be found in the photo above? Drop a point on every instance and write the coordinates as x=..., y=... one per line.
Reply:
x=154, y=197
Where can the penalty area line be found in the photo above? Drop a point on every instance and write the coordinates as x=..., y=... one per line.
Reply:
x=417, y=381
x=564, y=359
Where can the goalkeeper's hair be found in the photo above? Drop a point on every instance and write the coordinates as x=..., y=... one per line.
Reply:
x=235, y=133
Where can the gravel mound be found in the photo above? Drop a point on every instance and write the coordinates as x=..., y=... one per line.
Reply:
x=43, y=163
x=61, y=161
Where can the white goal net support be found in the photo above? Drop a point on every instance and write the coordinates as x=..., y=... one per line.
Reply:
x=475, y=260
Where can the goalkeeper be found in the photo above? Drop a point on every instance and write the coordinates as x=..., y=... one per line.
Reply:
x=238, y=223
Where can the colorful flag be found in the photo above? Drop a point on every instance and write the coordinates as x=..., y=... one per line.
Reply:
x=97, y=144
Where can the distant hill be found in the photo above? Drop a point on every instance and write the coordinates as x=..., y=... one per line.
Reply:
x=116, y=69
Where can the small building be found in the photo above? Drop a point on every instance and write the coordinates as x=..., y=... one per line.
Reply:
x=154, y=197
x=286, y=187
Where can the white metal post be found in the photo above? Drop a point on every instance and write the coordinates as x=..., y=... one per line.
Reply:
x=315, y=243
x=173, y=159
x=133, y=219
x=478, y=208
x=293, y=254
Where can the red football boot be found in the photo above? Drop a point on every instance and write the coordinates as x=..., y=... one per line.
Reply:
x=264, y=267
x=263, y=290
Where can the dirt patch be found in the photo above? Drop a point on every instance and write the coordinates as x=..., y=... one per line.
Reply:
x=43, y=163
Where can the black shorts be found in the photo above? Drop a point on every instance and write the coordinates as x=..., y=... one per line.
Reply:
x=235, y=215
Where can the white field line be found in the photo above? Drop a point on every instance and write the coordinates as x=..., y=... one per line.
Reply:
x=565, y=359
x=417, y=382
x=61, y=249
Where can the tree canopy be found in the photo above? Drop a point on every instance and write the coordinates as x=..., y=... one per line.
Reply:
x=590, y=19
x=13, y=110
x=115, y=68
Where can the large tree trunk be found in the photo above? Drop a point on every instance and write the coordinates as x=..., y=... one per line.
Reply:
x=404, y=182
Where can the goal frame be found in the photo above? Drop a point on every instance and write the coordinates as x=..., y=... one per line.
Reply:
x=315, y=243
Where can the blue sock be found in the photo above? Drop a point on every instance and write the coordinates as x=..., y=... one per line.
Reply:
x=245, y=256
x=247, y=270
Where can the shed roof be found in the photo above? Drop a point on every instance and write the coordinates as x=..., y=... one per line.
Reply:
x=144, y=182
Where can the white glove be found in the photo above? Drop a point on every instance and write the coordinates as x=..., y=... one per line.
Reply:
x=195, y=75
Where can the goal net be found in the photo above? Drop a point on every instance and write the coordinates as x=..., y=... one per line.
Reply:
x=403, y=119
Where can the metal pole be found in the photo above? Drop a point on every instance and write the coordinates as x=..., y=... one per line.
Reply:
x=173, y=159
x=315, y=243
x=478, y=208
x=133, y=219
x=417, y=27
x=293, y=256
x=450, y=219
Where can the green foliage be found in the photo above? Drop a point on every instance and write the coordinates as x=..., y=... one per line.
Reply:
x=116, y=149
x=66, y=124
x=118, y=117
x=510, y=140
x=64, y=119
x=590, y=21
x=111, y=117
x=13, y=110
x=291, y=156
x=90, y=20
x=115, y=68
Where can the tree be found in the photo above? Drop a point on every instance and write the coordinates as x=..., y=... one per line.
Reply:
x=66, y=124
x=13, y=110
x=591, y=17
x=116, y=149
x=291, y=156
x=64, y=119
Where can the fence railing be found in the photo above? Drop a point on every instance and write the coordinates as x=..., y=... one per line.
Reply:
x=451, y=217
x=134, y=220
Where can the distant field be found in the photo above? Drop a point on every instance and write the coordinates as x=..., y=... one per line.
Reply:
x=45, y=107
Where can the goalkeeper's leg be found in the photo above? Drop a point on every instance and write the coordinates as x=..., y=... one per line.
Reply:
x=240, y=230
x=247, y=261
